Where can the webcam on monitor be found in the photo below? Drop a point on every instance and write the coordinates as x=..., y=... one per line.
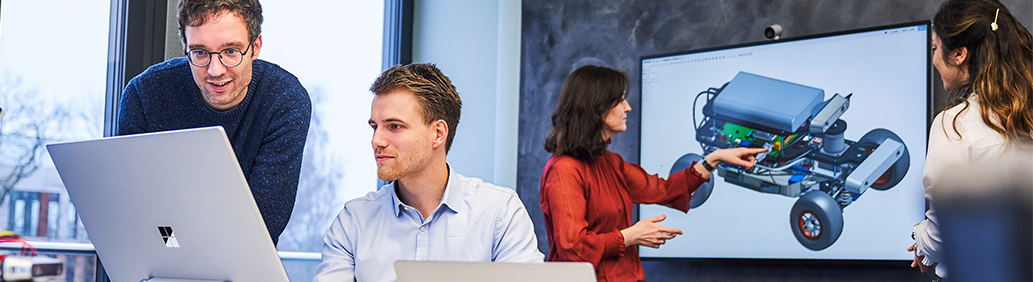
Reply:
x=773, y=32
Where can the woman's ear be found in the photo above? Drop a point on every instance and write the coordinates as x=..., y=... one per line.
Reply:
x=958, y=56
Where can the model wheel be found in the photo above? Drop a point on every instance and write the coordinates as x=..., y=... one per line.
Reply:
x=816, y=220
x=704, y=190
x=896, y=172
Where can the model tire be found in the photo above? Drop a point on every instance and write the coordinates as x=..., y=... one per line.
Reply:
x=816, y=220
x=704, y=190
x=896, y=172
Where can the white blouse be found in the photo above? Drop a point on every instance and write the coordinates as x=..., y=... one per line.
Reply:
x=976, y=143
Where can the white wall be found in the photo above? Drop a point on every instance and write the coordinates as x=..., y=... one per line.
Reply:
x=476, y=43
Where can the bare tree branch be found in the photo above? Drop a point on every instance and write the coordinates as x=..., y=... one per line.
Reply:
x=321, y=176
x=30, y=123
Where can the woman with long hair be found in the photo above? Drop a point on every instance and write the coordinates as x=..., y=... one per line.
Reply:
x=985, y=60
x=588, y=192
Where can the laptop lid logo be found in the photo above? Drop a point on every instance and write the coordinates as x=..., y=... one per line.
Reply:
x=168, y=236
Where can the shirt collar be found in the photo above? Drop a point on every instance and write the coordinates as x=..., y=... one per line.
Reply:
x=454, y=191
x=396, y=203
x=452, y=198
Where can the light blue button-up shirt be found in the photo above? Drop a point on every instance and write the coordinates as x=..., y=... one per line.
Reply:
x=475, y=221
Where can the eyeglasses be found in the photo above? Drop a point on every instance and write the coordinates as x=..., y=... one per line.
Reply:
x=230, y=57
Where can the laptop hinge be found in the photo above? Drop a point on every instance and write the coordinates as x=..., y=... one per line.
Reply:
x=179, y=280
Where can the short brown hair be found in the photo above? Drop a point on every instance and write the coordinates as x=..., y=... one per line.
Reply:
x=434, y=91
x=196, y=12
x=577, y=124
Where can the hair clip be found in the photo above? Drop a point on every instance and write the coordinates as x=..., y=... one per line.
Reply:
x=993, y=25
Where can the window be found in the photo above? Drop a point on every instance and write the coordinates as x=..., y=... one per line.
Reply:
x=43, y=209
x=334, y=48
x=53, y=63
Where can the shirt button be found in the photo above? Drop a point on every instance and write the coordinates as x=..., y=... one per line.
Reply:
x=423, y=228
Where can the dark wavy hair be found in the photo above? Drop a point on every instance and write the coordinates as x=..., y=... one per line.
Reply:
x=434, y=91
x=577, y=124
x=1000, y=64
x=196, y=13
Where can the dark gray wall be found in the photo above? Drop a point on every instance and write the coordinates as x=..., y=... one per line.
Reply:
x=559, y=36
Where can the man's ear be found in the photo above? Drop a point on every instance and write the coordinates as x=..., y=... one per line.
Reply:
x=257, y=47
x=440, y=133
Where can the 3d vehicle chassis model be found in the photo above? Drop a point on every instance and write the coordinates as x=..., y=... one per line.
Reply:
x=808, y=156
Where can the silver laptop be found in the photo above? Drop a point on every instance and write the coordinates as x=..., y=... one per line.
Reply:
x=442, y=271
x=168, y=205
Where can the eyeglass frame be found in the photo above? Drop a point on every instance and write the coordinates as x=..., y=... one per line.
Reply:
x=210, y=53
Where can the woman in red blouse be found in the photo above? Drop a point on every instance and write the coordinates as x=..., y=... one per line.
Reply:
x=588, y=191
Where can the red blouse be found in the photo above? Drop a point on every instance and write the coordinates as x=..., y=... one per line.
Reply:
x=586, y=205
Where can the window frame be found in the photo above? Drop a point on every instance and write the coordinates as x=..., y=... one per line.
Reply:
x=136, y=40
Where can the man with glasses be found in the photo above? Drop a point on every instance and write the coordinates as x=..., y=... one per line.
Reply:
x=263, y=108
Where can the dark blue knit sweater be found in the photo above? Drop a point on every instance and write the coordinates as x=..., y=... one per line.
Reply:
x=267, y=129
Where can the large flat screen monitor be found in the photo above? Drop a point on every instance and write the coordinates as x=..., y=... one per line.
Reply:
x=845, y=118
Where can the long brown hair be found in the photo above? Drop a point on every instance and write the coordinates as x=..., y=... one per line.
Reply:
x=577, y=124
x=1000, y=64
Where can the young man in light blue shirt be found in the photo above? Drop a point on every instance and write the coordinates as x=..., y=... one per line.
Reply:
x=428, y=212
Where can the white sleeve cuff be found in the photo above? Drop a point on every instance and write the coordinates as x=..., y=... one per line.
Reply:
x=928, y=243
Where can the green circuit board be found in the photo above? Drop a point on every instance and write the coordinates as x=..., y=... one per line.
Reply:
x=748, y=137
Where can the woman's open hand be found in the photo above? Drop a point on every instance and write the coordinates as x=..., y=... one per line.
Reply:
x=647, y=233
